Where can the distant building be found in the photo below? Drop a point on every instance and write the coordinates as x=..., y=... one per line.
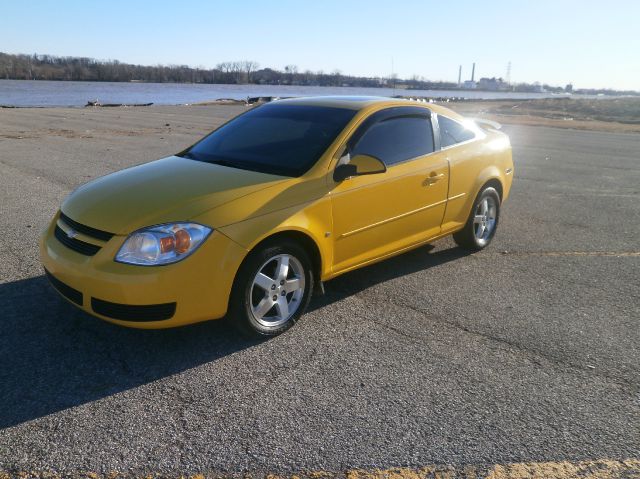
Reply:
x=492, y=84
x=538, y=88
x=468, y=84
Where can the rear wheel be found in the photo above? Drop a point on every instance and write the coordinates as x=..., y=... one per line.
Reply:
x=272, y=289
x=482, y=222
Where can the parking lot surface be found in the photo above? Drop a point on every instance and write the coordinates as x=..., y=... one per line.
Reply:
x=528, y=351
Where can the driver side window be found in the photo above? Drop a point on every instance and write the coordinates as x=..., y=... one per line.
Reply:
x=393, y=139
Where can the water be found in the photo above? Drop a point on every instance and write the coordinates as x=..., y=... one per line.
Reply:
x=71, y=93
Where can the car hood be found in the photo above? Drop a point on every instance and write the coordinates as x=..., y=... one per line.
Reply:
x=170, y=189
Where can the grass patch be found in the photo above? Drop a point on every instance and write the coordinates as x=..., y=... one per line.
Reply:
x=621, y=110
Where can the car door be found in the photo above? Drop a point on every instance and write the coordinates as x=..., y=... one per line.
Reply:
x=374, y=215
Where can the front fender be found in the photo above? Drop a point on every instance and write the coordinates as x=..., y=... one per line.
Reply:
x=312, y=219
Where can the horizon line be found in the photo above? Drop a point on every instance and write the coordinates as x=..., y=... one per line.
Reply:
x=317, y=72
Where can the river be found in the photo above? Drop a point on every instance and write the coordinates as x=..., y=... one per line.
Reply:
x=71, y=93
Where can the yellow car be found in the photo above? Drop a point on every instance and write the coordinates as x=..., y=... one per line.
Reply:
x=249, y=221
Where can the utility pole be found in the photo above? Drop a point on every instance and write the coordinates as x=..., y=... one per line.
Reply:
x=393, y=76
x=459, y=76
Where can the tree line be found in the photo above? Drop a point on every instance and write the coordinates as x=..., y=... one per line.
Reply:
x=49, y=67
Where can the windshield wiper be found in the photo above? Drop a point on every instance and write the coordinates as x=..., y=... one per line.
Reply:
x=188, y=155
x=242, y=165
x=231, y=164
x=213, y=160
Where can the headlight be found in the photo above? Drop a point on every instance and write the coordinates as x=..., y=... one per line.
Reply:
x=162, y=244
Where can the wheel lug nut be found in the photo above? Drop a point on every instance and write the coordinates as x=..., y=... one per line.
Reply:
x=273, y=286
x=275, y=297
x=284, y=293
x=281, y=282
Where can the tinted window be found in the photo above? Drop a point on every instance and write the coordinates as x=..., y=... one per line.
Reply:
x=396, y=139
x=452, y=132
x=275, y=138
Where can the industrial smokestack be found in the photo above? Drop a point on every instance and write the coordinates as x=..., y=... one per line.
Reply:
x=473, y=72
x=459, y=75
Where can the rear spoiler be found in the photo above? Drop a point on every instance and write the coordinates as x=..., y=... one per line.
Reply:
x=487, y=123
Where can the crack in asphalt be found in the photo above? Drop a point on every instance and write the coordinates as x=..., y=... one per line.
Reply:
x=513, y=346
x=526, y=351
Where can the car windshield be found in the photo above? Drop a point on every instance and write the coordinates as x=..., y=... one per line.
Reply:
x=275, y=138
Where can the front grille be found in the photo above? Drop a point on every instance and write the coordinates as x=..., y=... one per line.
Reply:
x=81, y=247
x=66, y=291
x=86, y=230
x=128, y=312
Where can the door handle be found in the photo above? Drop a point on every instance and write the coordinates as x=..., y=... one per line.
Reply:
x=434, y=178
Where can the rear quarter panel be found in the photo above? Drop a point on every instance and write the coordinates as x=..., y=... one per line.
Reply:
x=472, y=165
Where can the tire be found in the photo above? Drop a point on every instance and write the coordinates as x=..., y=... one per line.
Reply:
x=260, y=279
x=482, y=223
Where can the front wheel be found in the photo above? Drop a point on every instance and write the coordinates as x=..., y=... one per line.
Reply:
x=482, y=223
x=272, y=289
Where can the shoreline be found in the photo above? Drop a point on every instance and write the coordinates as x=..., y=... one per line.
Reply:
x=70, y=93
x=611, y=115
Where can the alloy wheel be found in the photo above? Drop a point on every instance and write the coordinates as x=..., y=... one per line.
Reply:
x=277, y=290
x=484, y=221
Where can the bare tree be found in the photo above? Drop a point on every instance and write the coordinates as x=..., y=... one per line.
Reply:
x=291, y=71
x=226, y=69
x=249, y=67
x=337, y=77
x=237, y=71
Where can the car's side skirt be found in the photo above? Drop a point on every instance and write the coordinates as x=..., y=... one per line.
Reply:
x=388, y=255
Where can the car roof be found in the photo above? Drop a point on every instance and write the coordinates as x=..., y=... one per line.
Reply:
x=363, y=102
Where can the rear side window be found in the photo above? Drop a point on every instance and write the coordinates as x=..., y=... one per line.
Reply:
x=452, y=132
x=396, y=139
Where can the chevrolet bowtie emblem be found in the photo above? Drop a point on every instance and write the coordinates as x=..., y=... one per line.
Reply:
x=72, y=234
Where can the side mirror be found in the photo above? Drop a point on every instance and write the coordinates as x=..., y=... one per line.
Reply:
x=359, y=165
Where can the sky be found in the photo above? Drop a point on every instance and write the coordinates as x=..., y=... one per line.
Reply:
x=590, y=44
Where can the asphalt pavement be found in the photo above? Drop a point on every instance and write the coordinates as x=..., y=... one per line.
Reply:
x=527, y=351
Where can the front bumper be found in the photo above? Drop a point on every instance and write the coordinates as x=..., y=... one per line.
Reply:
x=192, y=290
